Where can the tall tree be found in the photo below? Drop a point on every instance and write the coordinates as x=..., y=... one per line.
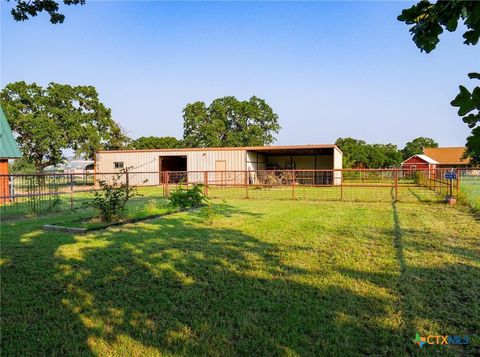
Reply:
x=156, y=142
x=24, y=9
x=428, y=21
x=417, y=145
x=49, y=120
x=229, y=122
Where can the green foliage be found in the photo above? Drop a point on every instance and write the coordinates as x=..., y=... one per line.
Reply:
x=229, y=122
x=468, y=104
x=49, y=120
x=357, y=153
x=111, y=199
x=24, y=10
x=22, y=165
x=417, y=145
x=185, y=197
x=156, y=142
x=428, y=21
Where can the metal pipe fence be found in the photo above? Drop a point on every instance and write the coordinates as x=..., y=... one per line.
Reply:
x=35, y=193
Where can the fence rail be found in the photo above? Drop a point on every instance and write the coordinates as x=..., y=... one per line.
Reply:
x=33, y=193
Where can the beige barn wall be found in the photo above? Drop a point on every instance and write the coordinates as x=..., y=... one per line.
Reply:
x=147, y=164
x=337, y=164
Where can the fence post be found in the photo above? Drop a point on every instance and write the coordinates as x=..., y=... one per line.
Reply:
x=247, y=174
x=396, y=185
x=127, y=182
x=458, y=182
x=163, y=183
x=205, y=183
x=71, y=192
x=167, y=178
x=293, y=185
x=341, y=185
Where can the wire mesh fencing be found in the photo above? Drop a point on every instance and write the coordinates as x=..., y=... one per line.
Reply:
x=469, y=187
x=342, y=185
x=23, y=194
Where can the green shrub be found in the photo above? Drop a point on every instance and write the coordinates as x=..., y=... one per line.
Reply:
x=185, y=197
x=211, y=212
x=111, y=199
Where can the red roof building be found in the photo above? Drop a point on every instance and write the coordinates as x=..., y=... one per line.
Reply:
x=419, y=162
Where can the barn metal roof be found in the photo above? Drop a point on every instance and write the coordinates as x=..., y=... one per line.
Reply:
x=8, y=146
x=246, y=148
x=425, y=158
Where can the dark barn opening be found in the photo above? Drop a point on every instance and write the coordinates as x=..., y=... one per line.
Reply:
x=172, y=164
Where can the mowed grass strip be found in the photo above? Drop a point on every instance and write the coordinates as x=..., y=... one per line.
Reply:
x=266, y=278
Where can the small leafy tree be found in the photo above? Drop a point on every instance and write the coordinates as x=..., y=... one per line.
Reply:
x=184, y=197
x=110, y=200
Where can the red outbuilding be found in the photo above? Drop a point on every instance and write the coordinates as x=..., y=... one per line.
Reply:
x=419, y=162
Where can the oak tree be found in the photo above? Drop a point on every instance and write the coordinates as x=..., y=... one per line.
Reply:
x=228, y=121
x=46, y=121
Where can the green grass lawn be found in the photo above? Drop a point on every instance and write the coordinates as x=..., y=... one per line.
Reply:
x=266, y=278
x=470, y=188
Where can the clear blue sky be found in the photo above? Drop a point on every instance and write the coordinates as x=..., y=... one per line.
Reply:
x=328, y=69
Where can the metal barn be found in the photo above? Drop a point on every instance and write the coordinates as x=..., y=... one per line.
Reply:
x=151, y=164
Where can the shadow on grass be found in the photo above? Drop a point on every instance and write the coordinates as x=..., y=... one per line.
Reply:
x=445, y=297
x=176, y=287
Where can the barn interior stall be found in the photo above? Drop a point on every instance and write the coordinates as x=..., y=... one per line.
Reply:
x=305, y=164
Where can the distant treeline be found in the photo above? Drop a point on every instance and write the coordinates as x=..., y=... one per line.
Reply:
x=358, y=154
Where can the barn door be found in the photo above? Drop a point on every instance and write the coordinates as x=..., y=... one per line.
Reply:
x=220, y=171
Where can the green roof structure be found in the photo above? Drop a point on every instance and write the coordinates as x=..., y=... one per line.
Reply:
x=8, y=146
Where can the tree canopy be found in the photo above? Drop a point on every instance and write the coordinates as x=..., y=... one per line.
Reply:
x=417, y=145
x=24, y=10
x=428, y=21
x=229, y=122
x=357, y=153
x=49, y=120
x=156, y=142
